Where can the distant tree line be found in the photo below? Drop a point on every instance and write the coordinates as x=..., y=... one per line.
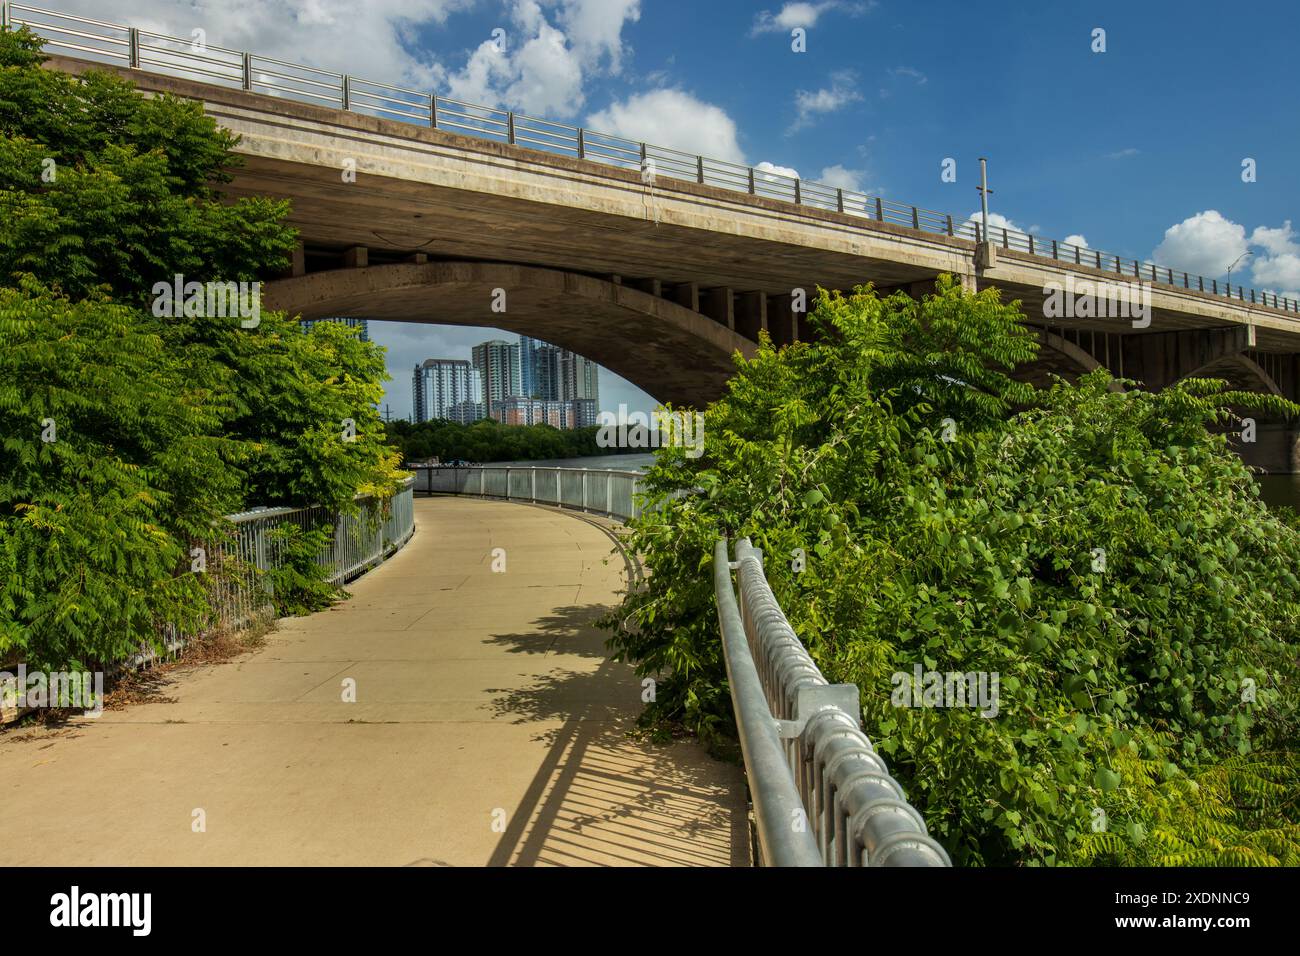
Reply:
x=489, y=440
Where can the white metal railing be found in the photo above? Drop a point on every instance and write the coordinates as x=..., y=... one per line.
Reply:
x=822, y=794
x=601, y=491
x=175, y=56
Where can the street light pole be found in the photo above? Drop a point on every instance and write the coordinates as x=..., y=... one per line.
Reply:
x=984, y=195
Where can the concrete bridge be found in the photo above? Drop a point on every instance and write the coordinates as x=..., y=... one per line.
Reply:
x=655, y=264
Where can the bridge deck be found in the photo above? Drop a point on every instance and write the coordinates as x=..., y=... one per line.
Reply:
x=475, y=691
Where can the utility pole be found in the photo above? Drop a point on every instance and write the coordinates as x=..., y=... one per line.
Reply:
x=984, y=191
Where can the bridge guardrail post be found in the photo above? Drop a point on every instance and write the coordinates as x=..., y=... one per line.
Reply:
x=133, y=48
x=582, y=144
x=346, y=94
x=4, y=15
x=247, y=71
x=433, y=111
x=609, y=491
x=584, y=491
x=534, y=484
x=510, y=128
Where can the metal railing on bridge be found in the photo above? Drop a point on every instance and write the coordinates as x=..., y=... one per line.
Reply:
x=197, y=60
x=822, y=795
x=601, y=491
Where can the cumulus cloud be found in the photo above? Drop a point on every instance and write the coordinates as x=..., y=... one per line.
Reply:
x=1278, y=269
x=1075, y=239
x=802, y=14
x=766, y=167
x=672, y=118
x=539, y=68
x=841, y=178
x=812, y=104
x=996, y=221
x=1206, y=244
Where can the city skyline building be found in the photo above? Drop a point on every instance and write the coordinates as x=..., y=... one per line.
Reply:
x=446, y=388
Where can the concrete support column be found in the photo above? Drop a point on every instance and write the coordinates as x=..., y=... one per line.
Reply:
x=781, y=320
x=720, y=305
x=751, y=314
x=357, y=257
x=687, y=294
x=298, y=263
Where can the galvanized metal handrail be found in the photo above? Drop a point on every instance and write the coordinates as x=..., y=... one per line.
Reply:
x=114, y=43
x=605, y=491
x=239, y=554
x=850, y=811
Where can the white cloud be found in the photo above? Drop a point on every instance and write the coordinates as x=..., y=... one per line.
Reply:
x=913, y=74
x=541, y=69
x=766, y=167
x=1208, y=244
x=372, y=42
x=1123, y=153
x=595, y=28
x=801, y=14
x=1205, y=244
x=1278, y=268
x=812, y=104
x=1076, y=240
x=841, y=178
x=996, y=221
x=675, y=119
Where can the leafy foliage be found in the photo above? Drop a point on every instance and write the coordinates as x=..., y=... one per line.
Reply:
x=299, y=584
x=953, y=518
x=489, y=440
x=125, y=434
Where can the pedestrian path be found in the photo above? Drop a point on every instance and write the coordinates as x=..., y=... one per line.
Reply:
x=489, y=728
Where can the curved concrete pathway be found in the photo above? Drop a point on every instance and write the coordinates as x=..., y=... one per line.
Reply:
x=489, y=728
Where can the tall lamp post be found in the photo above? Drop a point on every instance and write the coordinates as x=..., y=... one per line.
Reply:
x=1228, y=277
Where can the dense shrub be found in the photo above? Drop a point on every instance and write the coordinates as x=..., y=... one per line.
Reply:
x=1099, y=549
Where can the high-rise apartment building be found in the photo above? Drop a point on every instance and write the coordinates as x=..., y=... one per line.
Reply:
x=443, y=388
x=498, y=366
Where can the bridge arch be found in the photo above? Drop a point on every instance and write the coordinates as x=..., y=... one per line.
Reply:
x=1057, y=355
x=1241, y=372
x=672, y=352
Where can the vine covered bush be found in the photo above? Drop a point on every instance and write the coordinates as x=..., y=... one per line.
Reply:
x=1098, y=548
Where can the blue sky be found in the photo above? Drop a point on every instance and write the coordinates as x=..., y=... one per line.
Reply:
x=1137, y=149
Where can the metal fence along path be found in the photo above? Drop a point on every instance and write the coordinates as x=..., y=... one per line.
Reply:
x=601, y=491
x=198, y=60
